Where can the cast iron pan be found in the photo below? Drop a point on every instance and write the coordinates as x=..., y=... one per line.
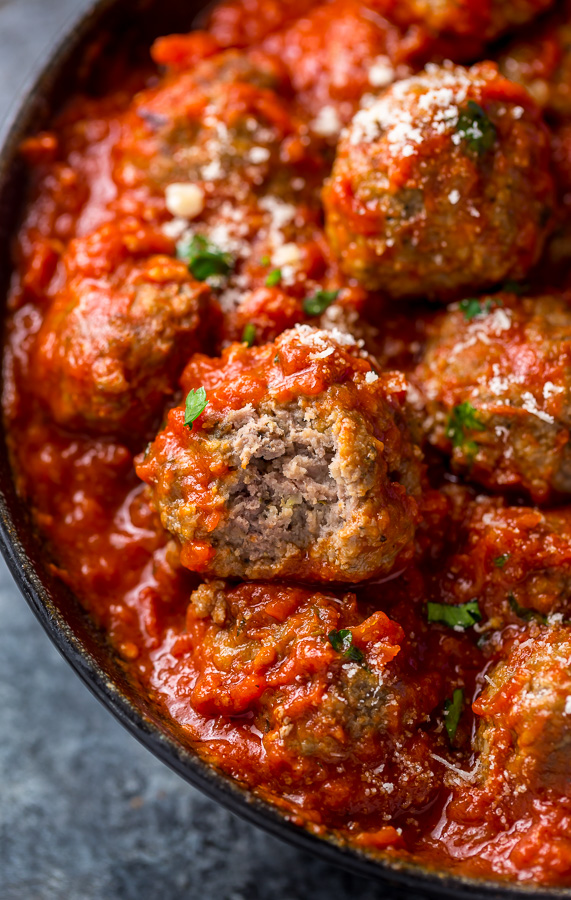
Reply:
x=80, y=61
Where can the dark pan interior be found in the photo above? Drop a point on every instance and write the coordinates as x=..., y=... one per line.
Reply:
x=81, y=61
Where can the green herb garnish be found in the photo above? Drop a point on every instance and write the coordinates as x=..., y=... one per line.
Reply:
x=265, y=261
x=274, y=278
x=515, y=287
x=476, y=128
x=249, y=334
x=462, y=419
x=318, y=303
x=203, y=258
x=196, y=403
x=523, y=612
x=500, y=561
x=452, y=712
x=464, y=615
x=342, y=642
x=473, y=307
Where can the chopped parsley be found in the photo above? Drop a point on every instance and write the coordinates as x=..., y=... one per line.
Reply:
x=249, y=334
x=274, y=278
x=462, y=419
x=452, y=712
x=515, y=287
x=318, y=303
x=525, y=613
x=342, y=642
x=464, y=615
x=476, y=128
x=500, y=561
x=473, y=307
x=196, y=403
x=265, y=261
x=203, y=258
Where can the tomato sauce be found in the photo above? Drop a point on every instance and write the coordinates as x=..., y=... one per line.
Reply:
x=238, y=665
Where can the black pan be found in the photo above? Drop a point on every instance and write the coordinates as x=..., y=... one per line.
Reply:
x=80, y=61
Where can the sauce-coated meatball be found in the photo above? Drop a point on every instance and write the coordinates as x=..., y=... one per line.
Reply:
x=496, y=379
x=441, y=185
x=540, y=60
x=116, y=338
x=524, y=736
x=301, y=464
x=325, y=685
x=514, y=560
x=482, y=19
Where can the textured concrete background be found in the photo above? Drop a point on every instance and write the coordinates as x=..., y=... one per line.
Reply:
x=85, y=812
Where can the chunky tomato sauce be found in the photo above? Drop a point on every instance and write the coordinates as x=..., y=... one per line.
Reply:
x=174, y=242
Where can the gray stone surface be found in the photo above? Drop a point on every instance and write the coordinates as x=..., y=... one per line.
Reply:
x=85, y=812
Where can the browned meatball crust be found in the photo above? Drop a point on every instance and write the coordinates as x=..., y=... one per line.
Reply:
x=301, y=464
x=441, y=185
x=116, y=338
x=524, y=736
x=496, y=384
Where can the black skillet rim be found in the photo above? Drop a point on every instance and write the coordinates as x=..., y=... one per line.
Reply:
x=22, y=552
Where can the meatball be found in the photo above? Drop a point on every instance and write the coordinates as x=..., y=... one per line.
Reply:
x=225, y=127
x=442, y=184
x=301, y=464
x=496, y=382
x=115, y=339
x=515, y=560
x=540, y=60
x=481, y=19
x=325, y=687
x=336, y=53
x=524, y=735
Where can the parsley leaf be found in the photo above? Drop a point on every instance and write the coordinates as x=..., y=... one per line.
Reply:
x=515, y=287
x=523, y=612
x=500, y=561
x=474, y=307
x=464, y=418
x=452, y=712
x=196, y=403
x=274, y=278
x=318, y=303
x=265, y=261
x=249, y=334
x=342, y=642
x=465, y=614
x=476, y=128
x=203, y=258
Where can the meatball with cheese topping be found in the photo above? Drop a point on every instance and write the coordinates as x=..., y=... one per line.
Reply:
x=441, y=185
x=524, y=733
x=496, y=385
x=300, y=465
x=115, y=339
x=224, y=132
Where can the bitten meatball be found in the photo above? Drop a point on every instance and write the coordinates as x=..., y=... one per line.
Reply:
x=326, y=687
x=115, y=339
x=524, y=736
x=441, y=185
x=301, y=464
x=496, y=380
x=514, y=560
